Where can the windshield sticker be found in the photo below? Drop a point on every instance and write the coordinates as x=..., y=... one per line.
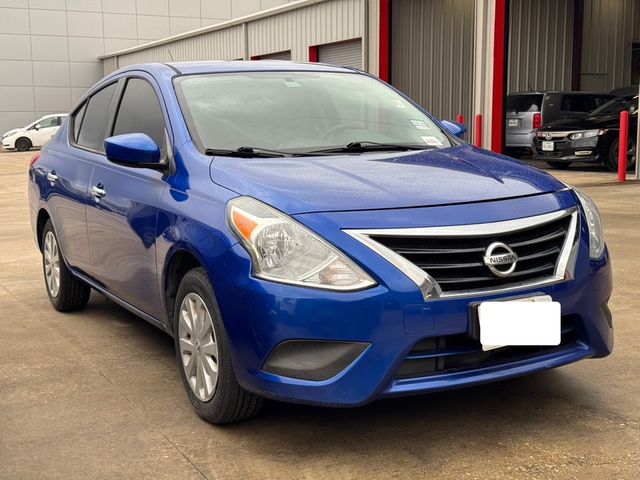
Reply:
x=432, y=141
x=292, y=83
x=420, y=124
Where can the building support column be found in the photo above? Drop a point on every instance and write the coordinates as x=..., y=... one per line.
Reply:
x=384, y=41
x=490, y=69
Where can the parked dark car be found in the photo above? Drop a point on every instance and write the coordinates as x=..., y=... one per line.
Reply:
x=590, y=139
x=529, y=111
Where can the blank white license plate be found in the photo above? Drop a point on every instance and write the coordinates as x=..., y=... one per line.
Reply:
x=547, y=146
x=528, y=321
x=513, y=122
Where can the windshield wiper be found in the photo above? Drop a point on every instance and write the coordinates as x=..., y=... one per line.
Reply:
x=367, y=146
x=246, y=152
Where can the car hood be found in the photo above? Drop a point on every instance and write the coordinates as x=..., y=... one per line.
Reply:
x=12, y=132
x=587, y=123
x=445, y=176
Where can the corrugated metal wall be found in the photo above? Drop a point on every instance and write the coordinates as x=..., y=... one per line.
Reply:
x=289, y=30
x=540, y=45
x=609, y=29
x=296, y=30
x=431, y=54
x=225, y=44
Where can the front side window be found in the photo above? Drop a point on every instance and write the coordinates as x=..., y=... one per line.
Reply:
x=615, y=106
x=140, y=112
x=300, y=111
x=94, y=124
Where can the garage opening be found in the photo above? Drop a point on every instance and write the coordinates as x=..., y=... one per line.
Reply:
x=432, y=44
x=347, y=53
x=285, y=55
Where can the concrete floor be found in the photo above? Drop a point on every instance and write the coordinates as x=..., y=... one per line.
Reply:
x=96, y=394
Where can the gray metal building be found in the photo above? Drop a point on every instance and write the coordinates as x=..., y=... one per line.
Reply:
x=453, y=56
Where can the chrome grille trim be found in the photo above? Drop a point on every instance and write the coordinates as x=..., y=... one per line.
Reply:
x=431, y=289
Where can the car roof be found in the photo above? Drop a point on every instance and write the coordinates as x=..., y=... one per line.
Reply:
x=198, y=67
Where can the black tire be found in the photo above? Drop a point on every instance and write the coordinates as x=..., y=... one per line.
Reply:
x=611, y=161
x=230, y=402
x=559, y=165
x=72, y=293
x=23, y=144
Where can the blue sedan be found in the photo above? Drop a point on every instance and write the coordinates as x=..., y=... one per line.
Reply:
x=306, y=233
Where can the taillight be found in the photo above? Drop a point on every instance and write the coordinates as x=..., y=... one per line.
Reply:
x=537, y=120
x=34, y=159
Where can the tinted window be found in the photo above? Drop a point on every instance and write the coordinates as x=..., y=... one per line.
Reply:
x=524, y=103
x=77, y=120
x=140, y=112
x=576, y=103
x=94, y=124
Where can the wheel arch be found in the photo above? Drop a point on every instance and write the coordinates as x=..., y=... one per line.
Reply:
x=179, y=261
x=41, y=221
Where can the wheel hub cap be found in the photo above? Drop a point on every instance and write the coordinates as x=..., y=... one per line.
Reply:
x=51, y=264
x=198, y=347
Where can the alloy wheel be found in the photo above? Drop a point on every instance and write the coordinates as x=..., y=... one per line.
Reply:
x=52, y=264
x=198, y=347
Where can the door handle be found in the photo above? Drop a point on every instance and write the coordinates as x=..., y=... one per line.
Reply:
x=52, y=177
x=98, y=191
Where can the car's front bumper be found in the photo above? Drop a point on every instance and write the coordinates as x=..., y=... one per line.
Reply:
x=389, y=319
x=566, y=151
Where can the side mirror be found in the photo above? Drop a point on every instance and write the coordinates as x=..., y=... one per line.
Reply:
x=38, y=126
x=456, y=128
x=133, y=150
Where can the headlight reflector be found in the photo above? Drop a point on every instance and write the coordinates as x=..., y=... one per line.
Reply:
x=594, y=224
x=287, y=252
x=586, y=134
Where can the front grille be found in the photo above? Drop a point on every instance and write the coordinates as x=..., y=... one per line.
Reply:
x=456, y=262
x=452, y=353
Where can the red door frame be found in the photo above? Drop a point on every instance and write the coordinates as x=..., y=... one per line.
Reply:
x=499, y=88
x=384, y=42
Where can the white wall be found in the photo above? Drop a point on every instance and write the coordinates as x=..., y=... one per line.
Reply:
x=49, y=49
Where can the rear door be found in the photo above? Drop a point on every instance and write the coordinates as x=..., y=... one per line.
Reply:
x=68, y=172
x=122, y=215
x=520, y=111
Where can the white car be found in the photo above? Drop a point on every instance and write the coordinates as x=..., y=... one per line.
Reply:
x=35, y=134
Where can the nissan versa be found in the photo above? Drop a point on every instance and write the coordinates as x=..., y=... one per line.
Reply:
x=308, y=234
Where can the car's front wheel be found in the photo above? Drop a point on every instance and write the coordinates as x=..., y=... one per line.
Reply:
x=65, y=291
x=203, y=355
x=612, y=162
x=23, y=144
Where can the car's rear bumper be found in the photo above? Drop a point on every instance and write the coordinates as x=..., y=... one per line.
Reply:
x=519, y=140
x=388, y=323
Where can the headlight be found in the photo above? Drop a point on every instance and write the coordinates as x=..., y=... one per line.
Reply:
x=586, y=134
x=594, y=224
x=287, y=252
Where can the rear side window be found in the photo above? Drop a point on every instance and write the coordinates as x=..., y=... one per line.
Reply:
x=76, y=120
x=140, y=112
x=524, y=103
x=94, y=124
x=576, y=103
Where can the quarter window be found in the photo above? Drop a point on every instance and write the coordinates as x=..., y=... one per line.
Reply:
x=94, y=124
x=140, y=112
x=76, y=120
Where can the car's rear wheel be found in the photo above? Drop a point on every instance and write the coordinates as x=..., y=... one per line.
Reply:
x=612, y=161
x=65, y=291
x=23, y=144
x=559, y=165
x=204, y=357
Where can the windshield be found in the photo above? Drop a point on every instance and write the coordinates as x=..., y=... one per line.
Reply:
x=300, y=111
x=615, y=106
